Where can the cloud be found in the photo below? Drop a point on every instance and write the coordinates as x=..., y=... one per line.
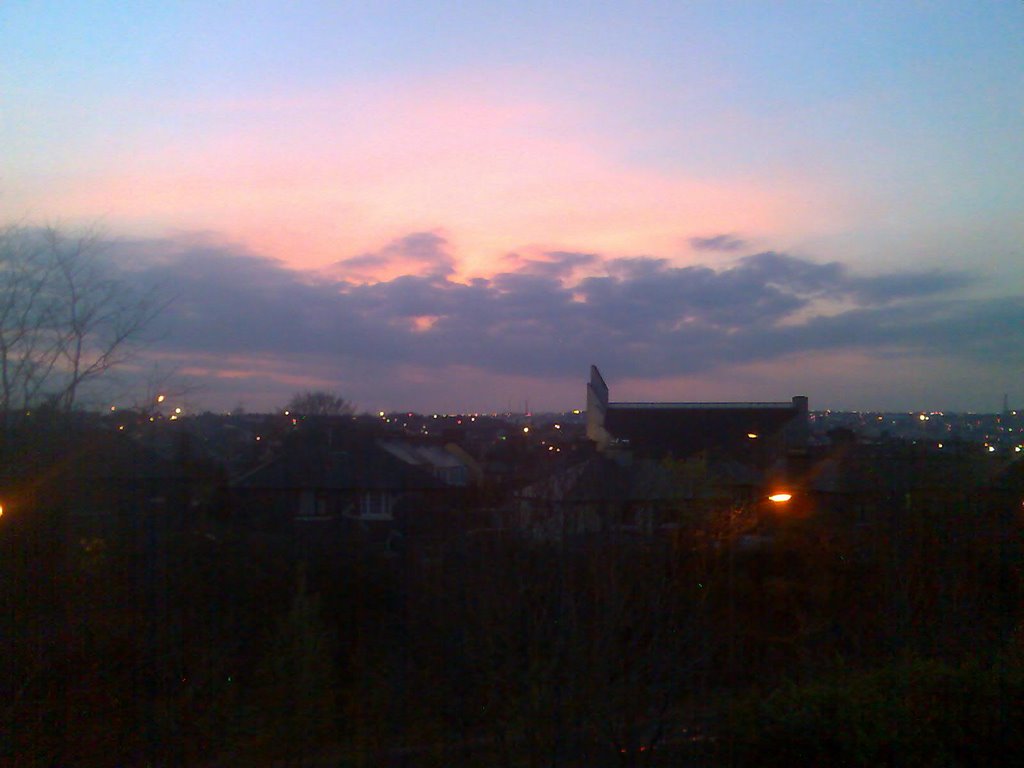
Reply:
x=554, y=264
x=725, y=242
x=635, y=266
x=541, y=318
x=420, y=253
x=879, y=289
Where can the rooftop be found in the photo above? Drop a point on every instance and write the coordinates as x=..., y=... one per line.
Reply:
x=785, y=405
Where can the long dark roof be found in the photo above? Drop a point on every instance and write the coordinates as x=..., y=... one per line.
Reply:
x=784, y=405
x=685, y=429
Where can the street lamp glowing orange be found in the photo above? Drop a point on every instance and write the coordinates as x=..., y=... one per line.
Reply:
x=780, y=498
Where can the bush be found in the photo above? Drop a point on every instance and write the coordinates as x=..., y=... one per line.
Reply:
x=907, y=713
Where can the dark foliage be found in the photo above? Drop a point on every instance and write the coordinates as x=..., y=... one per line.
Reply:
x=165, y=633
x=912, y=712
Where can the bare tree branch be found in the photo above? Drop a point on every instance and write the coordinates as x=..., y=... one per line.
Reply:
x=63, y=319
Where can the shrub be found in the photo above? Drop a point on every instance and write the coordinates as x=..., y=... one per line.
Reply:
x=914, y=712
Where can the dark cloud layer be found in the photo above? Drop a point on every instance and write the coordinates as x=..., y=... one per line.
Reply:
x=639, y=315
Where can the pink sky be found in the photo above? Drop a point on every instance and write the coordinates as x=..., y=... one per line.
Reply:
x=326, y=176
x=886, y=139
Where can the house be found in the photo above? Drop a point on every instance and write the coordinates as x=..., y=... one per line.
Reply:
x=103, y=483
x=660, y=467
x=748, y=449
x=449, y=463
x=641, y=496
x=330, y=484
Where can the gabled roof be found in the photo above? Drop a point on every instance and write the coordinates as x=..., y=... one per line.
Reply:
x=96, y=455
x=420, y=454
x=358, y=466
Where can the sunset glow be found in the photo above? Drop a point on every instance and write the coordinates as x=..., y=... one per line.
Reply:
x=425, y=165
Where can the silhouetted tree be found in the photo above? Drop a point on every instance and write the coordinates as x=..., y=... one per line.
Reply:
x=63, y=319
x=319, y=403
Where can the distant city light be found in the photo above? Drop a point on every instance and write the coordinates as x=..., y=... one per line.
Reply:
x=576, y=412
x=177, y=410
x=526, y=430
x=558, y=426
x=991, y=449
x=160, y=398
x=381, y=414
x=113, y=407
x=752, y=435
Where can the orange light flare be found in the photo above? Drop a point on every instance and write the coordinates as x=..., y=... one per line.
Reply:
x=780, y=498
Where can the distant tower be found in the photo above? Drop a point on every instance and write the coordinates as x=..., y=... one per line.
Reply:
x=1006, y=404
x=597, y=407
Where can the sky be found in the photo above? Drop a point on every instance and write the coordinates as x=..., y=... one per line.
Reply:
x=461, y=206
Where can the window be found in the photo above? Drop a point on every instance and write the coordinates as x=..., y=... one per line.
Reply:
x=313, y=506
x=376, y=505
